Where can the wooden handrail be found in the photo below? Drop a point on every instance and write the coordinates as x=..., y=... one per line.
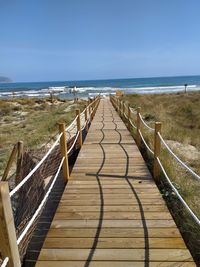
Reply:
x=63, y=147
x=157, y=148
x=138, y=138
x=78, y=121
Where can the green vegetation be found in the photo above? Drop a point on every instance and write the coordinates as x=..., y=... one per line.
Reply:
x=33, y=121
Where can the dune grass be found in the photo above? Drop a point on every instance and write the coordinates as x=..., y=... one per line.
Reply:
x=33, y=121
x=180, y=118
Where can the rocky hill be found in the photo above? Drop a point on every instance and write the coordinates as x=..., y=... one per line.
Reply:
x=5, y=79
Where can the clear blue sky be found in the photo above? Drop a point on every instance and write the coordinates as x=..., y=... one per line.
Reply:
x=42, y=40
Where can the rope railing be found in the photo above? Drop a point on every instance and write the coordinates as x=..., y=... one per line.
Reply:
x=72, y=146
x=133, y=110
x=145, y=124
x=73, y=123
x=145, y=143
x=178, y=159
x=26, y=229
x=156, y=151
x=134, y=126
x=5, y=262
x=125, y=116
x=163, y=142
x=35, y=168
x=194, y=216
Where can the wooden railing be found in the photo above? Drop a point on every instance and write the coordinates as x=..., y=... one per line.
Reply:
x=127, y=113
x=9, y=241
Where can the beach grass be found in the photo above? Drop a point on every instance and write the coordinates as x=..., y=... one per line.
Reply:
x=33, y=121
x=180, y=118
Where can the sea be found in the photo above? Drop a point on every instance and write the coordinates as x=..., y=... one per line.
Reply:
x=91, y=88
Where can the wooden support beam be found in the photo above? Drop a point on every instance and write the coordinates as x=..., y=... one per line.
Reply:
x=78, y=121
x=138, y=137
x=8, y=239
x=129, y=117
x=157, y=148
x=63, y=147
x=20, y=151
x=10, y=162
x=86, y=119
x=123, y=108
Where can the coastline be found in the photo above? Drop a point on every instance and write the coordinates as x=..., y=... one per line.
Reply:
x=90, y=88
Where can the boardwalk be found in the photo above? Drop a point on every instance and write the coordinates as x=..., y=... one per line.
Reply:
x=111, y=213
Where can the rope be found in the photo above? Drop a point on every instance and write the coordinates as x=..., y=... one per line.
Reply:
x=77, y=135
x=134, y=111
x=125, y=116
x=71, y=124
x=35, y=168
x=177, y=158
x=5, y=262
x=126, y=107
x=132, y=124
x=83, y=112
x=149, y=149
x=40, y=206
x=177, y=193
x=145, y=124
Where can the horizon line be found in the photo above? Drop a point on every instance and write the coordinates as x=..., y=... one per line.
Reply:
x=108, y=79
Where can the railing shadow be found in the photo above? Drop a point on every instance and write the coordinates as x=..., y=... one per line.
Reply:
x=127, y=178
x=101, y=213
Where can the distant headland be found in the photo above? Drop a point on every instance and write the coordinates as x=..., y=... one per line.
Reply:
x=5, y=79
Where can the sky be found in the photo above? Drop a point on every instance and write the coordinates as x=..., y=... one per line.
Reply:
x=52, y=40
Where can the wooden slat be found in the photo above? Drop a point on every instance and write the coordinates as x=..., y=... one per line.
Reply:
x=114, y=232
x=113, y=264
x=116, y=254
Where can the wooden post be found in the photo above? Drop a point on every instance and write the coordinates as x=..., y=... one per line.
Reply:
x=129, y=117
x=63, y=147
x=9, y=164
x=79, y=126
x=89, y=110
x=20, y=148
x=120, y=108
x=123, y=109
x=138, y=138
x=86, y=119
x=8, y=239
x=157, y=147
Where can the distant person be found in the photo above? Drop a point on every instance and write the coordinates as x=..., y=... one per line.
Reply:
x=185, y=87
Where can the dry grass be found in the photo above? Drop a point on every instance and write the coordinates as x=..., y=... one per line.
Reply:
x=33, y=121
x=180, y=117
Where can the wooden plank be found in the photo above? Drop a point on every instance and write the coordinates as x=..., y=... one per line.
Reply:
x=110, y=223
x=86, y=215
x=111, y=196
x=164, y=243
x=114, y=232
x=113, y=208
x=113, y=264
x=116, y=254
x=69, y=202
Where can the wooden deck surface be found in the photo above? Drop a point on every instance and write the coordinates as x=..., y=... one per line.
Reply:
x=111, y=213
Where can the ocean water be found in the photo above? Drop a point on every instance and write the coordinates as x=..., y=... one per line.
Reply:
x=91, y=88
